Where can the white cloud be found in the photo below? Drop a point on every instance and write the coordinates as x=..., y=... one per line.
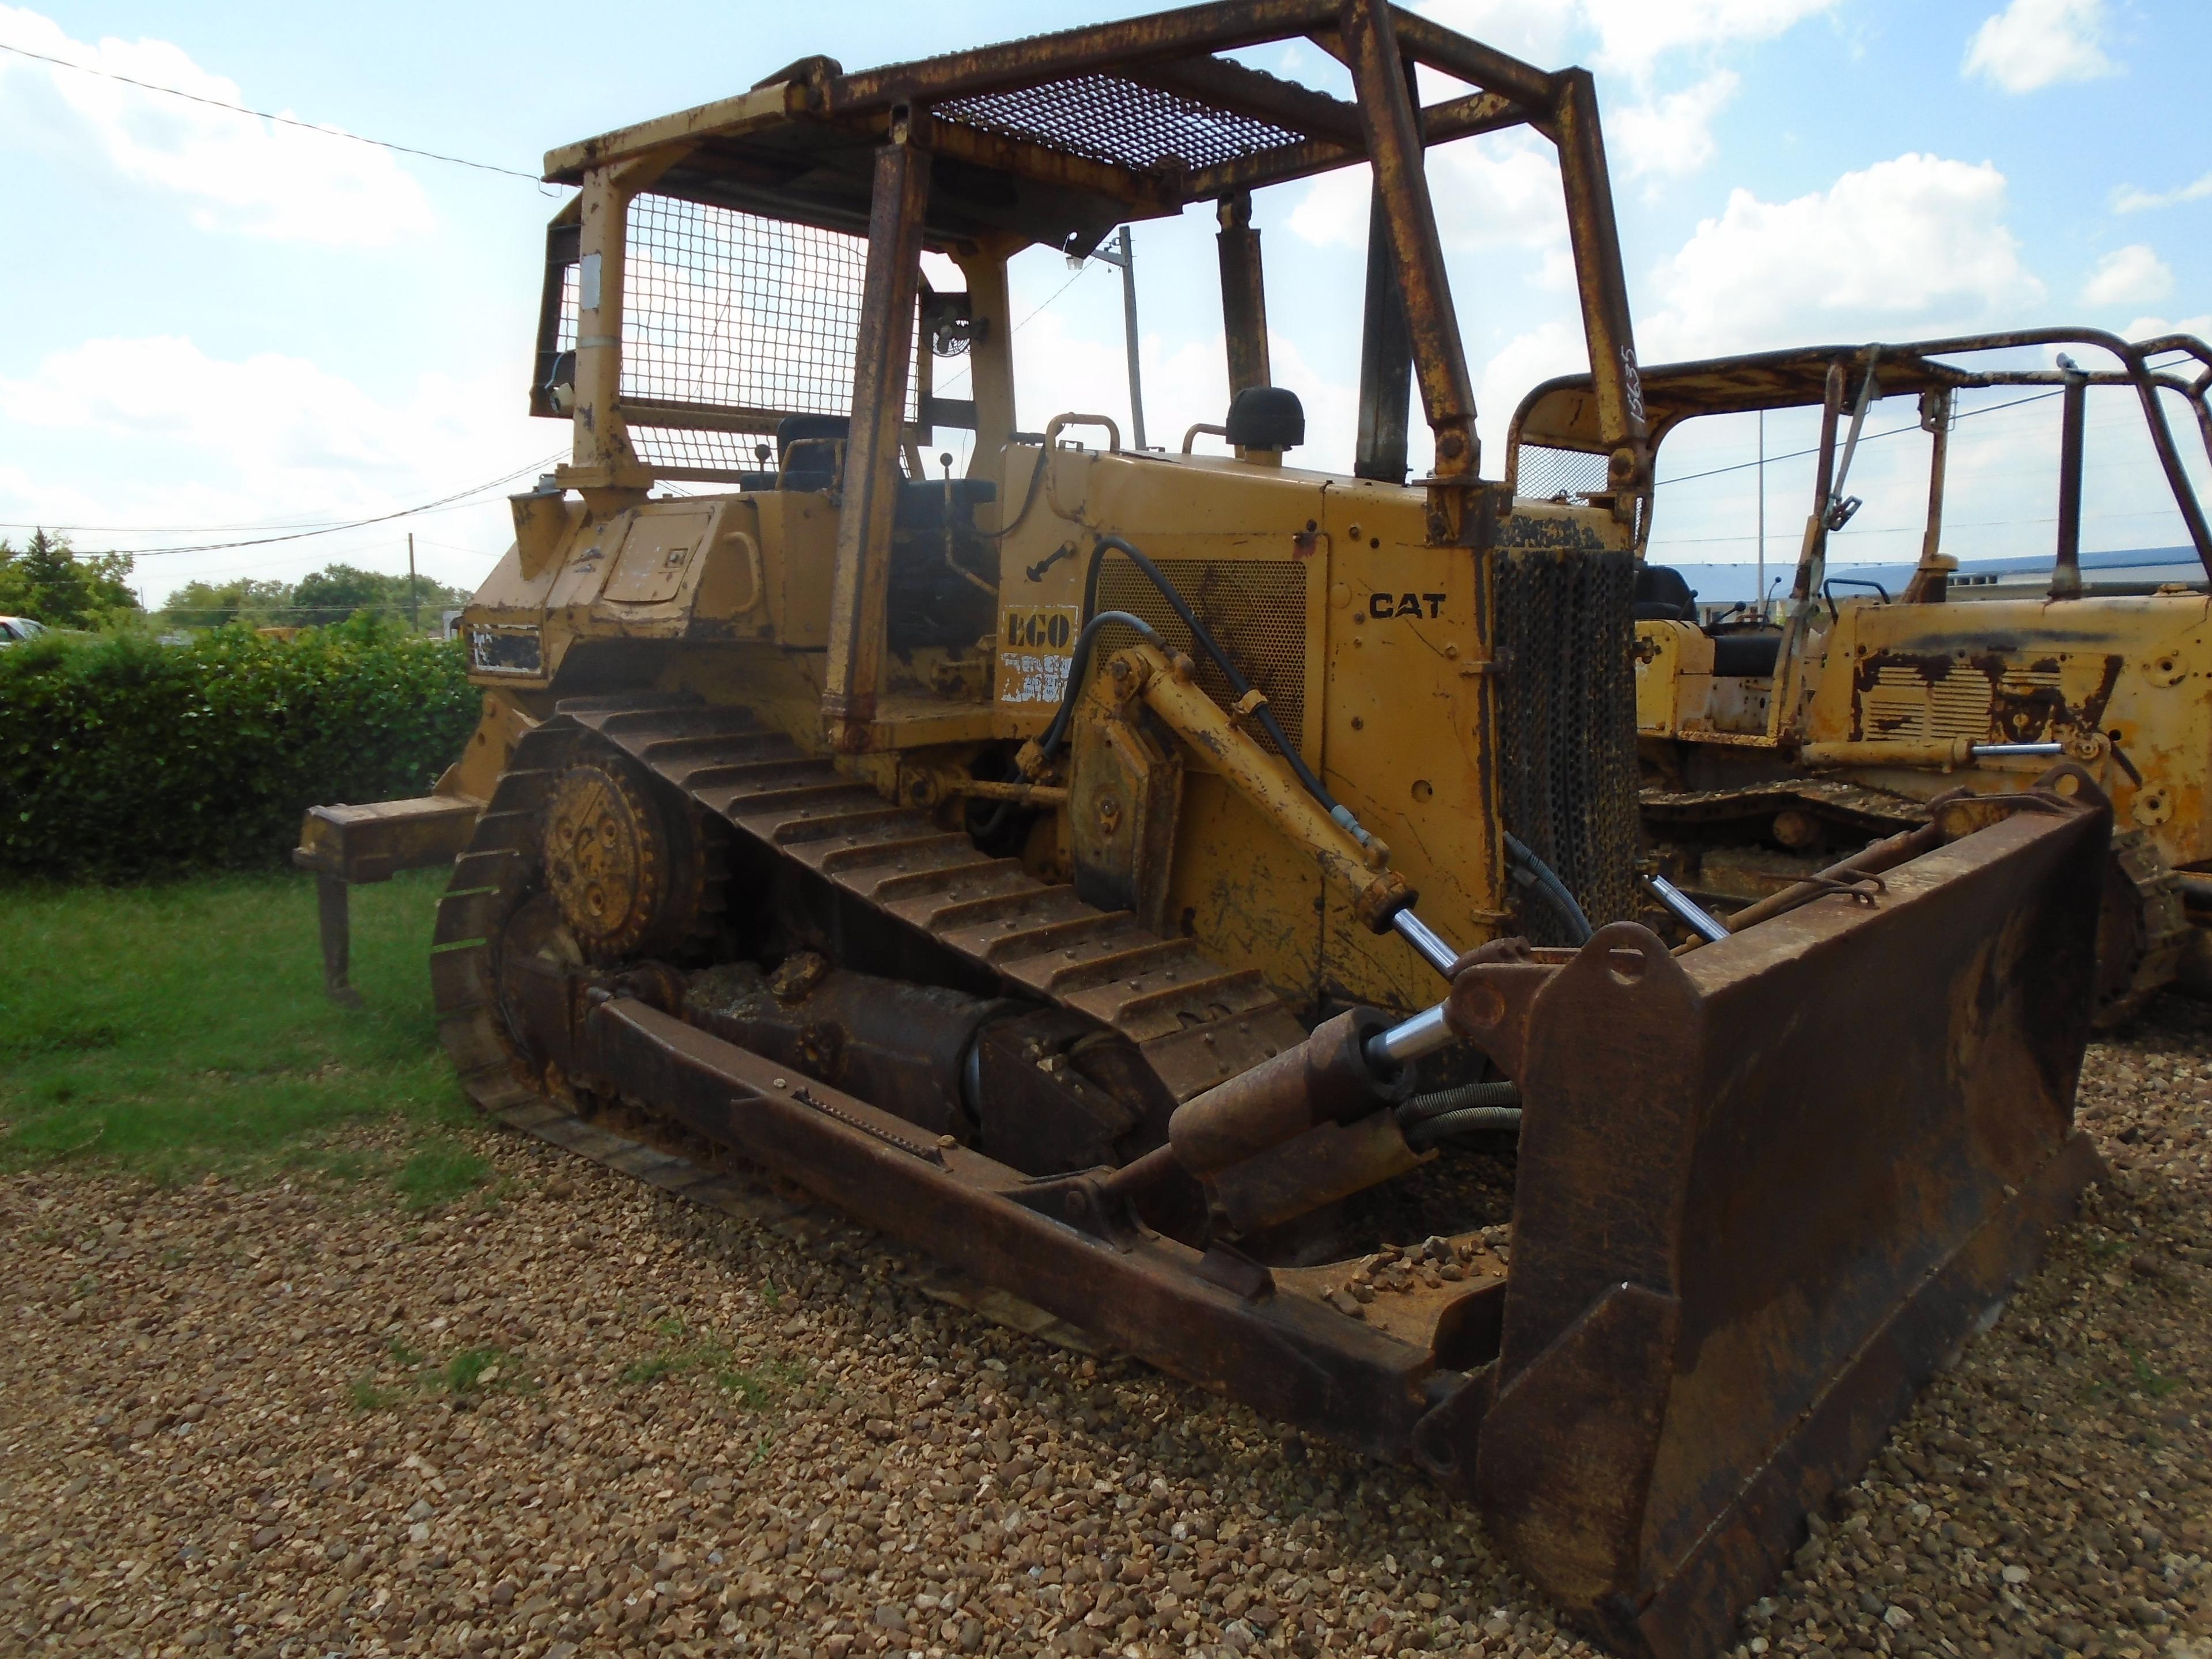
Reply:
x=2036, y=43
x=1556, y=346
x=1059, y=366
x=1673, y=135
x=1914, y=245
x=2130, y=275
x=1537, y=34
x=230, y=171
x=2129, y=199
x=2149, y=328
x=154, y=432
x=1632, y=34
x=1501, y=191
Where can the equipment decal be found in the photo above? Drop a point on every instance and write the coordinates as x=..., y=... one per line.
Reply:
x=1382, y=606
x=1037, y=643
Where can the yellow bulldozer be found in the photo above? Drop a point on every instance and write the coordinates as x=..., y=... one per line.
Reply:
x=1197, y=894
x=1769, y=748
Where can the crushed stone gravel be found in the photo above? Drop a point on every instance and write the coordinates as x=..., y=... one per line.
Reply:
x=583, y=1418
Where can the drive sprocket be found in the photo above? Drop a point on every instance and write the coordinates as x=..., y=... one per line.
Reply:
x=625, y=871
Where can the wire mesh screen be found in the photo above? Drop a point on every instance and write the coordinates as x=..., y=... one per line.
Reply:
x=1125, y=122
x=1542, y=474
x=739, y=311
x=681, y=451
x=564, y=329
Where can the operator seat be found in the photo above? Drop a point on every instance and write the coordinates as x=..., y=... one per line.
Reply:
x=1661, y=595
x=921, y=502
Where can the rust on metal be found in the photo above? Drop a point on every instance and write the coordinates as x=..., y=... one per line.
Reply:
x=1395, y=148
x=1243, y=295
x=881, y=354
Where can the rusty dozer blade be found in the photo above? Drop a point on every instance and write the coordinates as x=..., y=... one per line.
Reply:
x=1766, y=1190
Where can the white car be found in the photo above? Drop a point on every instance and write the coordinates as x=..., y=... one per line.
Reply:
x=15, y=629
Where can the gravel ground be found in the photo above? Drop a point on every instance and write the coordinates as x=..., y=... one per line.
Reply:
x=582, y=1418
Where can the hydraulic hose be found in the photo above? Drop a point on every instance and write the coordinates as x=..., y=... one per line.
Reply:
x=1421, y=1108
x=1468, y=1109
x=1544, y=880
x=1471, y=1119
x=1208, y=643
x=1056, y=734
x=1547, y=883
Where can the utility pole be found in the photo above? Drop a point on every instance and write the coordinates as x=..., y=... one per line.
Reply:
x=1123, y=255
x=414, y=594
x=1762, y=515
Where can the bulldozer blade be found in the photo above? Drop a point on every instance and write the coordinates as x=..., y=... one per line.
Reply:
x=1766, y=1189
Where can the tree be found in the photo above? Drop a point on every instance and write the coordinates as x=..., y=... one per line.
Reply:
x=49, y=583
x=243, y=598
x=332, y=594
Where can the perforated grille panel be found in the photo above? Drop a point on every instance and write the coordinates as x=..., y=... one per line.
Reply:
x=1124, y=123
x=1904, y=705
x=1255, y=609
x=1567, y=725
x=1541, y=473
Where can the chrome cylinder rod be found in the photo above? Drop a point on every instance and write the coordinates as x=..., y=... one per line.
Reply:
x=1981, y=749
x=1424, y=939
x=1408, y=1040
x=1701, y=921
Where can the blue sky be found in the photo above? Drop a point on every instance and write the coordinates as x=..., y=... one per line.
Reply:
x=217, y=322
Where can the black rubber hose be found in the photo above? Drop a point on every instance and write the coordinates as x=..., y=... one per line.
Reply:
x=1468, y=1120
x=1206, y=642
x=1056, y=734
x=1422, y=1107
x=1549, y=885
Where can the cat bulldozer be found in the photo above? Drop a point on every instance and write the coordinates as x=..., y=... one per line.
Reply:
x=1768, y=751
x=1195, y=894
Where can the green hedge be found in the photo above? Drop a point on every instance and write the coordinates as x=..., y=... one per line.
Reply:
x=123, y=757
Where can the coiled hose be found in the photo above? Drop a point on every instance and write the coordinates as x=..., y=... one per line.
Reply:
x=1450, y=1113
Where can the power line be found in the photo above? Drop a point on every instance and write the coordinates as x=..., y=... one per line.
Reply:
x=954, y=379
x=167, y=529
x=327, y=529
x=1916, y=530
x=284, y=120
x=1798, y=454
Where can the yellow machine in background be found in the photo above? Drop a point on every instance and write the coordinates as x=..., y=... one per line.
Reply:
x=1768, y=751
x=1157, y=881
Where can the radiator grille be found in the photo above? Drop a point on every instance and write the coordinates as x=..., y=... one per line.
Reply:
x=1256, y=609
x=1905, y=705
x=1567, y=725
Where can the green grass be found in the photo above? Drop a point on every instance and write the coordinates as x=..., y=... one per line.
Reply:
x=437, y=1172
x=684, y=1351
x=468, y=1374
x=177, y=1029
